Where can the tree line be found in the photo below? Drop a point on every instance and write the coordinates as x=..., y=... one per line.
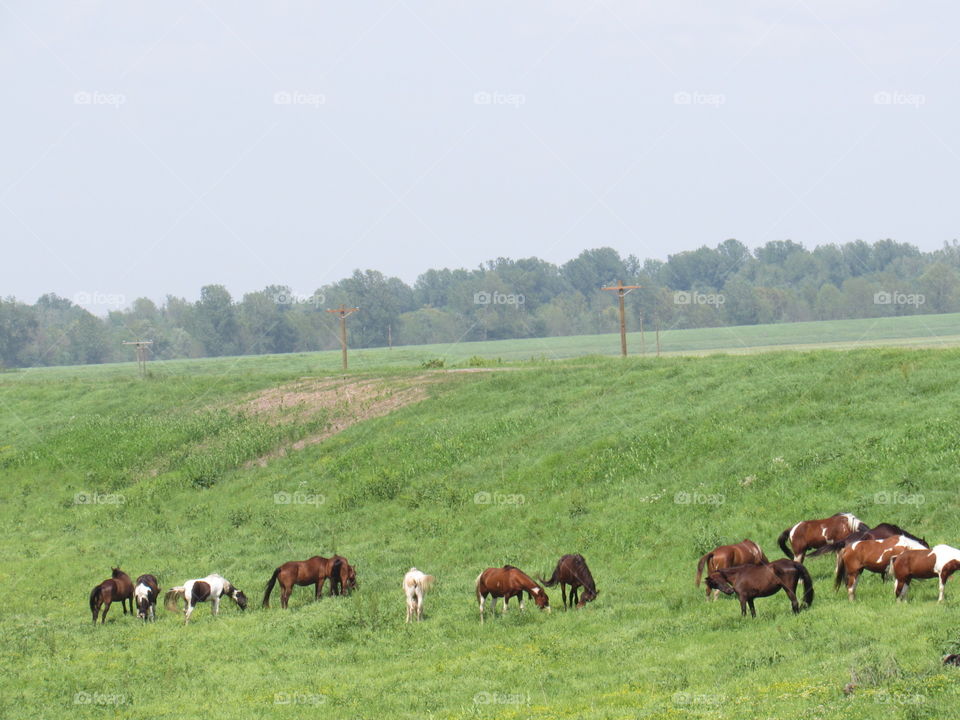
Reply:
x=504, y=298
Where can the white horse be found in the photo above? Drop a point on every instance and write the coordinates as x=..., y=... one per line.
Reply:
x=211, y=588
x=415, y=585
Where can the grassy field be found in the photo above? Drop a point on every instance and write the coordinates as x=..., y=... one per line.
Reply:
x=641, y=465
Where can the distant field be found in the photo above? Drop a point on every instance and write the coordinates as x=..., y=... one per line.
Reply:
x=640, y=465
x=908, y=331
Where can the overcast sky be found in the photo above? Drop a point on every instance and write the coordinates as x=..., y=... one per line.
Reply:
x=152, y=148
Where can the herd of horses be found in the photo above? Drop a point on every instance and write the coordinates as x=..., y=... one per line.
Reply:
x=743, y=569
x=505, y=582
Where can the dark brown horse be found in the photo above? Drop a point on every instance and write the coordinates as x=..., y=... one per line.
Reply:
x=742, y=553
x=314, y=571
x=940, y=562
x=508, y=582
x=572, y=570
x=749, y=582
x=873, y=555
x=343, y=578
x=880, y=532
x=118, y=587
x=145, y=594
x=811, y=534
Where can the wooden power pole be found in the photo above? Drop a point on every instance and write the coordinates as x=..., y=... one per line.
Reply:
x=343, y=311
x=622, y=290
x=142, y=347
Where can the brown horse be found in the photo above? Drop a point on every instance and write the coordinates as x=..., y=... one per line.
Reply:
x=745, y=552
x=145, y=593
x=343, y=578
x=508, y=582
x=118, y=587
x=314, y=571
x=749, y=582
x=812, y=534
x=940, y=561
x=881, y=531
x=873, y=555
x=572, y=570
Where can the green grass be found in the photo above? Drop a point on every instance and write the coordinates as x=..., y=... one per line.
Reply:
x=603, y=454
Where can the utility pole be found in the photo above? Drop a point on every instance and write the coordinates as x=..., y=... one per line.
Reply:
x=622, y=290
x=343, y=311
x=142, y=346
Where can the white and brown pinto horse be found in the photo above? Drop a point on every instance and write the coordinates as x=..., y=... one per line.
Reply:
x=508, y=582
x=211, y=588
x=145, y=593
x=415, y=586
x=812, y=534
x=940, y=561
x=745, y=552
x=873, y=555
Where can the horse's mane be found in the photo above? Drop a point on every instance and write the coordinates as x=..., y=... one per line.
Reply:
x=900, y=531
x=509, y=567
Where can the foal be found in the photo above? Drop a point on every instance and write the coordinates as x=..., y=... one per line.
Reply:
x=415, y=586
x=749, y=582
x=742, y=553
x=572, y=570
x=508, y=582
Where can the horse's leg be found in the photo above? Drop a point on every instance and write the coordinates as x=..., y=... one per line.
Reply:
x=106, y=608
x=900, y=588
x=187, y=611
x=852, y=580
x=753, y=610
x=793, y=597
x=942, y=583
x=743, y=606
x=215, y=606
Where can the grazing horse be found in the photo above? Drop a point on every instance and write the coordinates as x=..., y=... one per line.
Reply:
x=812, y=534
x=881, y=531
x=572, y=570
x=749, y=582
x=117, y=587
x=415, y=586
x=211, y=588
x=343, y=579
x=146, y=592
x=508, y=582
x=314, y=571
x=872, y=555
x=745, y=552
x=940, y=561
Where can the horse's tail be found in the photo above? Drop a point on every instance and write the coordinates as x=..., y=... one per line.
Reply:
x=703, y=561
x=426, y=582
x=840, y=576
x=782, y=542
x=94, y=598
x=270, y=584
x=829, y=548
x=173, y=594
x=807, y=583
x=554, y=579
